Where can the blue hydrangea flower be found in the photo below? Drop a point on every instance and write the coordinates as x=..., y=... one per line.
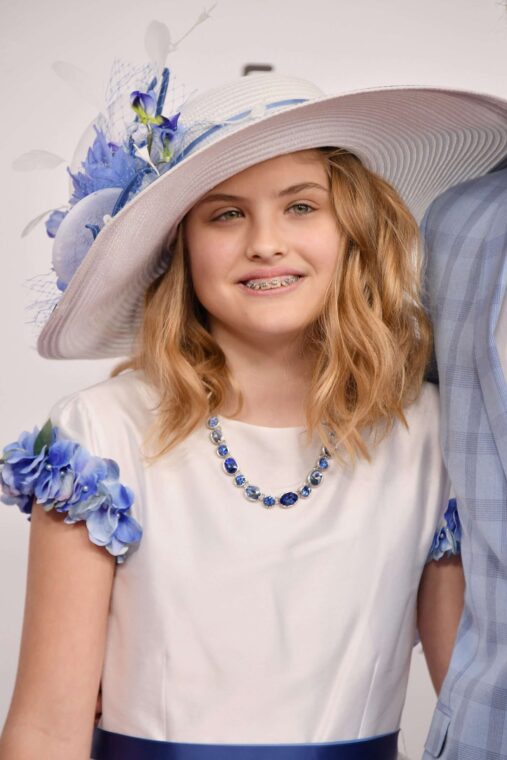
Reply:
x=22, y=466
x=447, y=539
x=63, y=475
x=106, y=165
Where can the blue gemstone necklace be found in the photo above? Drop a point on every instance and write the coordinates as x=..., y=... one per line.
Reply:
x=254, y=493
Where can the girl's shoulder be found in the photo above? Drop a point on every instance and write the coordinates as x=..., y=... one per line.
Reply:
x=424, y=413
x=127, y=400
x=125, y=392
x=422, y=431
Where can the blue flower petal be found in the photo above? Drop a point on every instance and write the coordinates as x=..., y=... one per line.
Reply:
x=129, y=531
x=113, y=471
x=81, y=506
x=118, y=549
x=122, y=496
x=143, y=103
x=66, y=486
x=60, y=453
x=101, y=525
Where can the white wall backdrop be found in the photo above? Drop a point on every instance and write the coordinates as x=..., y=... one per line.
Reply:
x=339, y=44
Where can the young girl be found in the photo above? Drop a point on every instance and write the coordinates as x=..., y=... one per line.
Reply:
x=229, y=533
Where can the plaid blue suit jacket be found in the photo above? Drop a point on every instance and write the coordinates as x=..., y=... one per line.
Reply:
x=465, y=234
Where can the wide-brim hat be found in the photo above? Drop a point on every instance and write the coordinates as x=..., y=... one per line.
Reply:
x=422, y=140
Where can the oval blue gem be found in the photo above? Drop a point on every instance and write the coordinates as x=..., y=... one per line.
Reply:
x=213, y=422
x=304, y=491
x=222, y=450
x=239, y=480
x=230, y=465
x=269, y=501
x=315, y=478
x=288, y=499
x=323, y=463
x=252, y=492
x=216, y=435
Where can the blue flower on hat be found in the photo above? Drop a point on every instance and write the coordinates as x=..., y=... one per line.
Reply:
x=160, y=130
x=145, y=106
x=61, y=474
x=163, y=135
x=106, y=165
x=110, y=175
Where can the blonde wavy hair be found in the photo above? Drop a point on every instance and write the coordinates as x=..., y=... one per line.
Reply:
x=370, y=343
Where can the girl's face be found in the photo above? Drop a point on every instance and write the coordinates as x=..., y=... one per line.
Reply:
x=263, y=247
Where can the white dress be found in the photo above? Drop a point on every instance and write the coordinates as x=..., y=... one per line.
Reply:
x=231, y=623
x=234, y=624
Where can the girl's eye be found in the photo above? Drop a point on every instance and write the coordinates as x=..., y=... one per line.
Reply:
x=301, y=209
x=232, y=213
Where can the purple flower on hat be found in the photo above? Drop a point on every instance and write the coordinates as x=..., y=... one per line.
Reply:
x=62, y=474
x=127, y=154
x=163, y=135
x=145, y=106
x=160, y=130
x=106, y=165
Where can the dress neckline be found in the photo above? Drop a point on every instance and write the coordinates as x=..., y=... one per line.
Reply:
x=250, y=425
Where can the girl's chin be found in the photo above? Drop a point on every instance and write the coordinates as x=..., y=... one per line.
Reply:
x=267, y=332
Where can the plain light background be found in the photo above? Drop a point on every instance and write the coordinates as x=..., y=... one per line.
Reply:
x=339, y=44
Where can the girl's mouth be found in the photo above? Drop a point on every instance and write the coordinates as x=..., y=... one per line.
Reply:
x=272, y=283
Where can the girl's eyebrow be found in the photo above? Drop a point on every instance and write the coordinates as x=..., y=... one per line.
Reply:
x=287, y=191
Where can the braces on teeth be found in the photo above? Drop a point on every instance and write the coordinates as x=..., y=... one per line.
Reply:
x=275, y=282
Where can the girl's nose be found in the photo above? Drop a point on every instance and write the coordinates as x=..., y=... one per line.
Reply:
x=265, y=241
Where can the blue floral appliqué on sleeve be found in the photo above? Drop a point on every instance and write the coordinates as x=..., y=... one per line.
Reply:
x=447, y=539
x=62, y=475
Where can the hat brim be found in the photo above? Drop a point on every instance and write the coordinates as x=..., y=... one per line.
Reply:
x=421, y=140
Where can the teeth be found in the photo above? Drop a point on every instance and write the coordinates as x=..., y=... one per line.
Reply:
x=275, y=282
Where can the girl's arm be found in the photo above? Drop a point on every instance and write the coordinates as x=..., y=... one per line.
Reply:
x=69, y=581
x=439, y=608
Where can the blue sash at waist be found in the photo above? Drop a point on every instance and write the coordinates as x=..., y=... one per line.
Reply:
x=111, y=746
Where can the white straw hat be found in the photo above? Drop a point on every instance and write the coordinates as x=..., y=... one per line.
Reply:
x=421, y=140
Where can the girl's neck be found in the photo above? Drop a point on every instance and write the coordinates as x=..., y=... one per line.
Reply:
x=273, y=377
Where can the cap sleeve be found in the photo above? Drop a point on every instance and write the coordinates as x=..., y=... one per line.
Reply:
x=447, y=538
x=58, y=466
